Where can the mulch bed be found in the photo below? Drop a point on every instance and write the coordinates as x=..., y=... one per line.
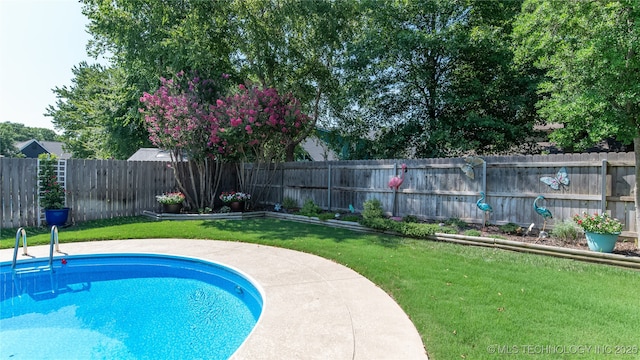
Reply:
x=624, y=246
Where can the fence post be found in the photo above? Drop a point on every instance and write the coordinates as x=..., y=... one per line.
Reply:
x=329, y=187
x=281, y=185
x=603, y=186
x=395, y=190
x=484, y=176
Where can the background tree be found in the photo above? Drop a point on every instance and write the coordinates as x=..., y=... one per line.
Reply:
x=589, y=52
x=11, y=133
x=96, y=114
x=434, y=78
x=144, y=42
x=295, y=47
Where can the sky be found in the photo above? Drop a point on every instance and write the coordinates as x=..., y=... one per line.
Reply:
x=40, y=42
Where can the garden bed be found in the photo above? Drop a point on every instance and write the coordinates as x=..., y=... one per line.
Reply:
x=626, y=253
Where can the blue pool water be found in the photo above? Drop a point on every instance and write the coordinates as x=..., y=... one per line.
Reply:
x=124, y=306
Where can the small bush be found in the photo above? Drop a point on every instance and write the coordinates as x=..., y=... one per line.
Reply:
x=289, y=203
x=350, y=217
x=309, y=208
x=473, y=232
x=456, y=223
x=413, y=230
x=372, y=209
x=410, y=219
x=511, y=228
x=380, y=223
x=567, y=231
x=422, y=230
x=326, y=216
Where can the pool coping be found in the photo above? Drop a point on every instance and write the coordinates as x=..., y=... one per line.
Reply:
x=314, y=308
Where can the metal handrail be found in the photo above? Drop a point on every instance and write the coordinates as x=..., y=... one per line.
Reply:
x=54, y=239
x=23, y=232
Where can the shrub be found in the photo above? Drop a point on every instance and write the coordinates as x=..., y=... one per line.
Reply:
x=410, y=219
x=473, y=232
x=567, y=231
x=326, y=216
x=372, y=209
x=350, y=217
x=456, y=223
x=423, y=230
x=511, y=228
x=289, y=203
x=309, y=208
x=413, y=230
x=380, y=223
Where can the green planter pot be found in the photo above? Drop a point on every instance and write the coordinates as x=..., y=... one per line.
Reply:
x=601, y=242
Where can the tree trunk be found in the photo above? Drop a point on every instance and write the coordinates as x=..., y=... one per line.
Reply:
x=636, y=149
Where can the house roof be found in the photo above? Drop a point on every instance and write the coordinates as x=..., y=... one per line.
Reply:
x=150, y=154
x=32, y=148
x=318, y=149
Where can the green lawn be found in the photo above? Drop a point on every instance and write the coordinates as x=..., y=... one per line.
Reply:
x=463, y=300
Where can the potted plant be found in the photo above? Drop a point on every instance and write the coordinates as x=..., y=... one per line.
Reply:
x=171, y=202
x=52, y=194
x=602, y=231
x=235, y=200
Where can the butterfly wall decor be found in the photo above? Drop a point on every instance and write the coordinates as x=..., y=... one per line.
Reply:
x=471, y=162
x=561, y=179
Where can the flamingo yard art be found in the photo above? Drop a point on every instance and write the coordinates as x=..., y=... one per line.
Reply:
x=396, y=181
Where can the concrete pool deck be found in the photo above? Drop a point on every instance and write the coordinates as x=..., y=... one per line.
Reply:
x=314, y=308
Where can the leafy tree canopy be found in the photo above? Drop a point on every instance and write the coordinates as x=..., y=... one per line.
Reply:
x=11, y=133
x=589, y=52
x=97, y=114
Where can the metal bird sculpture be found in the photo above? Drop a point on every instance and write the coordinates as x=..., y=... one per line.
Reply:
x=396, y=181
x=544, y=212
x=486, y=208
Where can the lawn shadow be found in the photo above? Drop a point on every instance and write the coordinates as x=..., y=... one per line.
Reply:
x=282, y=230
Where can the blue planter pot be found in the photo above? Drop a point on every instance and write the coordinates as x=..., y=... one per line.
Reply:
x=601, y=242
x=56, y=217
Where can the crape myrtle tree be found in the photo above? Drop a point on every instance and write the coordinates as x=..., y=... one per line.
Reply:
x=254, y=125
x=589, y=53
x=178, y=120
x=257, y=126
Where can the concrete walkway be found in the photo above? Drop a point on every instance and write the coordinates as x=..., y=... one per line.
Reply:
x=314, y=308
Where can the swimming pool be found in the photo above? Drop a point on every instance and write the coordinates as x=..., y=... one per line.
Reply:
x=125, y=306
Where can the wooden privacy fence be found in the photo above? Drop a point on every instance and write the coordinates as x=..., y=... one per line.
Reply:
x=96, y=189
x=438, y=189
x=435, y=189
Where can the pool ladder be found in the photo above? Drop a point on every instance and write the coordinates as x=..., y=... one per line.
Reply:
x=22, y=234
